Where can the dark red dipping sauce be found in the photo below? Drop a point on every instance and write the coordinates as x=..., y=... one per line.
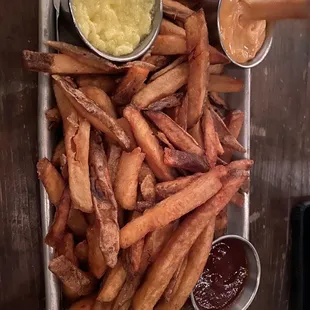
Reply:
x=223, y=277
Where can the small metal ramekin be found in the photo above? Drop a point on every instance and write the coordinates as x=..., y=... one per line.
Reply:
x=247, y=295
x=142, y=48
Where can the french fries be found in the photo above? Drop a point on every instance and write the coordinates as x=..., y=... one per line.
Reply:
x=105, y=82
x=169, y=28
x=181, y=113
x=66, y=248
x=167, y=102
x=224, y=84
x=81, y=251
x=196, y=133
x=169, y=45
x=58, y=152
x=113, y=161
x=85, y=303
x=147, y=183
x=77, y=222
x=176, y=10
x=157, y=61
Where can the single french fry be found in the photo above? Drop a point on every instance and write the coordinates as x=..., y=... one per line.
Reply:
x=77, y=222
x=66, y=248
x=114, y=155
x=169, y=45
x=163, y=138
x=113, y=284
x=122, y=122
x=77, y=280
x=88, y=109
x=238, y=200
x=216, y=69
x=176, y=10
x=132, y=82
x=197, y=258
x=51, y=179
x=85, y=303
x=158, y=61
x=81, y=251
x=173, y=207
x=150, y=146
x=181, y=113
x=167, y=102
x=147, y=183
x=105, y=82
x=185, y=160
x=167, y=84
x=58, y=152
x=126, y=181
x=196, y=133
x=242, y=164
x=166, y=189
x=216, y=57
x=198, y=46
x=57, y=230
x=169, y=28
x=177, y=135
x=102, y=100
x=224, y=84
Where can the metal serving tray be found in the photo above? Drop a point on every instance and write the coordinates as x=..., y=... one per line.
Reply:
x=238, y=218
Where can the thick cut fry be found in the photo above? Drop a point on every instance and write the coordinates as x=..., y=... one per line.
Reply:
x=226, y=138
x=158, y=61
x=180, y=243
x=86, y=57
x=77, y=222
x=196, y=133
x=58, y=152
x=165, y=103
x=147, y=183
x=150, y=145
x=173, y=207
x=176, y=10
x=126, y=181
x=169, y=45
x=113, y=284
x=57, y=230
x=177, y=135
x=85, y=303
x=88, y=109
x=76, y=131
x=238, y=200
x=242, y=164
x=77, y=280
x=102, y=100
x=224, y=84
x=105, y=82
x=53, y=115
x=198, y=47
x=127, y=128
x=181, y=113
x=96, y=261
x=130, y=85
x=165, y=85
x=185, y=160
x=66, y=248
x=166, y=189
x=115, y=153
x=216, y=69
x=197, y=258
x=51, y=179
x=216, y=57
x=169, y=28
x=81, y=251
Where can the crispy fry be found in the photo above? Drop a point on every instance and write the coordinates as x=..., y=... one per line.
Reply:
x=173, y=207
x=57, y=230
x=216, y=69
x=158, y=61
x=81, y=251
x=224, y=84
x=127, y=128
x=51, y=179
x=113, y=284
x=77, y=280
x=177, y=135
x=147, y=183
x=88, y=109
x=197, y=258
x=185, y=160
x=197, y=45
x=167, y=102
x=238, y=200
x=113, y=161
x=100, y=98
x=85, y=303
x=166, y=189
x=53, y=115
x=96, y=261
x=66, y=248
x=126, y=181
x=196, y=133
x=180, y=243
x=169, y=28
x=165, y=85
x=216, y=57
x=150, y=146
x=105, y=82
x=130, y=85
x=169, y=45
x=181, y=113
x=176, y=10
x=226, y=138
x=58, y=152
x=77, y=222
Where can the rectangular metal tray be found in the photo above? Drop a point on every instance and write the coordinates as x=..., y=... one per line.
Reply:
x=238, y=218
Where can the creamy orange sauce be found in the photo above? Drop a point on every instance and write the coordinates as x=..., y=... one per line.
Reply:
x=241, y=38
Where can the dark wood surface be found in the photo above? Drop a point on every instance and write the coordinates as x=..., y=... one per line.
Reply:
x=280, y=146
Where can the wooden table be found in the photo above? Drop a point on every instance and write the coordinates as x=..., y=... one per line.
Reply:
x=280, y=145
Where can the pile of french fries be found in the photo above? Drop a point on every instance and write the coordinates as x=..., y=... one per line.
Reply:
x=142, y=176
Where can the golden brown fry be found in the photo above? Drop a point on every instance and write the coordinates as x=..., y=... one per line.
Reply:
x=147, y=183
x=115, y=153
x=85, y=303
x=57, y=230
x=122, y=122
x=165, y=85
x=77, y=280
x=77, y=222
x=224, y=84
x=81, y=251
x=181, y=113
x=177, y=135
x=105, y=82
x=53, y=115
x=173, y=207
x=88, y=109
x=126, y=181
x=185, y=160
x=241, y=164
x=216, y=57
x=150, y=146
x=58, y=152
x=132, y=82
x=169, y=45
x=96, y=261
x=167, y=102
x=102, y=100
x=113, y=284
x=198, y=46
x=238, y=200
x=166, y=189
x=197, y=258
x=216, y=69
x=196, y=133
x=169, y=28
x=176, y=10
x=158, y=61
x=66, y=248
x=51, y=179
